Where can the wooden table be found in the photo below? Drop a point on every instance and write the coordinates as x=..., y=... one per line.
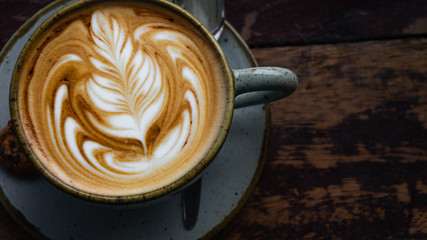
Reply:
x=348, y=150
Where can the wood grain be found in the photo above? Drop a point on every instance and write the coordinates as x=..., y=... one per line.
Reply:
x=348, y=151
x=15, y=13
x=279, y=22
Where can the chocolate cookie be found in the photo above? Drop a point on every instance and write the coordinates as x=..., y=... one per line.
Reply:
x=12, y=155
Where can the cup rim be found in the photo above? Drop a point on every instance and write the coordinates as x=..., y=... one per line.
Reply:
x=160, y=192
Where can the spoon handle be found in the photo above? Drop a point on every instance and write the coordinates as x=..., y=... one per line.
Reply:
x=191, y=203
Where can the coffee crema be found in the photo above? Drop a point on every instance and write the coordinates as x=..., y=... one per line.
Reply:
x=121, y=98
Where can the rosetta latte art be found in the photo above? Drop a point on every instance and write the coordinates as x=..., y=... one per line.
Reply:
x=125, y=98
x=130, y=92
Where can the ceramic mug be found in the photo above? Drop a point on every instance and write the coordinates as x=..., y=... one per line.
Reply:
x=124, y=102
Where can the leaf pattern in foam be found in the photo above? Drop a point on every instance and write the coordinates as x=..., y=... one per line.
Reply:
x=130, y=86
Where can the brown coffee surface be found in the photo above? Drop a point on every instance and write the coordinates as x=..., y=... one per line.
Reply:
x=121, y=98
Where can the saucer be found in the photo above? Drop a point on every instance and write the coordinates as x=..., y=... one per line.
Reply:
x=47, y=212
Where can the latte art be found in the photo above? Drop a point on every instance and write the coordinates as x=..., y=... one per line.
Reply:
x=129, y=92
x=122, y=99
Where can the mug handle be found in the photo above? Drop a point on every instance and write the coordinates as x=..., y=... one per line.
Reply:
x=263, y=84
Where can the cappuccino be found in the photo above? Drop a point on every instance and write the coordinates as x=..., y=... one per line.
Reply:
x=121, y=98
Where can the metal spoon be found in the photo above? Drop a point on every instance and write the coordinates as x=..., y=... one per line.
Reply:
x=191, y=203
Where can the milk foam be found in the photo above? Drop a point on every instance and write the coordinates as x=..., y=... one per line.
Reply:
x=132, y=95
x=128, y=104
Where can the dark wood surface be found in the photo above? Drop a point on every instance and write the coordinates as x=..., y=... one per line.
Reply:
x=348, y=150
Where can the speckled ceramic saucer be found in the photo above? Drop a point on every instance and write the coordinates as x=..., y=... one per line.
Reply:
x=47, y=212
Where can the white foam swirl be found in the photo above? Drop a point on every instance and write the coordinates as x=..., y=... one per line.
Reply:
x=130, y=94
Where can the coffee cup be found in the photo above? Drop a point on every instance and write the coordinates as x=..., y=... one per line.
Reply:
x=124, y=102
